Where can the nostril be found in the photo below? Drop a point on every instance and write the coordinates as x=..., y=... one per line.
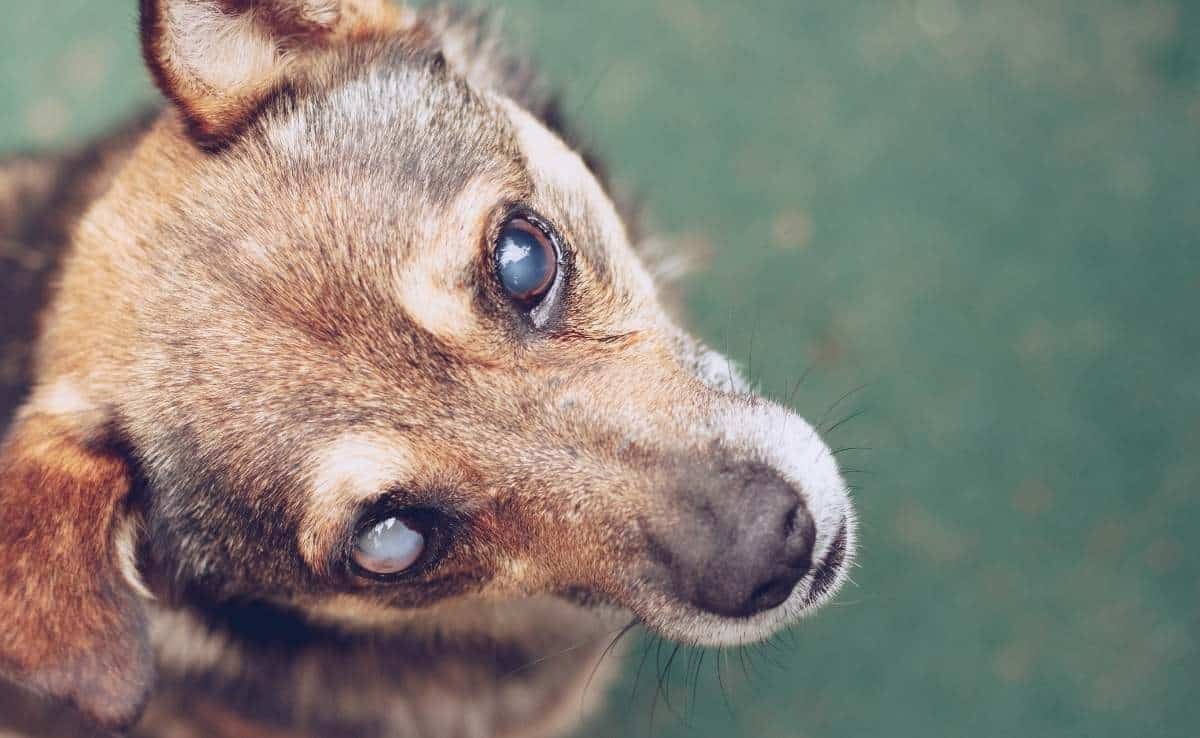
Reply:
x=799, y=540
x=773, y=593
x=793, y=517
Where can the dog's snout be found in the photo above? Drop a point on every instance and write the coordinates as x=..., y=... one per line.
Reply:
x=743, y=540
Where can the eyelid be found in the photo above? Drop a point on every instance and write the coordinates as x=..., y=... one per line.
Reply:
x=544, y=310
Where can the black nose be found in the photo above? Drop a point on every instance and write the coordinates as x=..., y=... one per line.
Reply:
x=740, y=540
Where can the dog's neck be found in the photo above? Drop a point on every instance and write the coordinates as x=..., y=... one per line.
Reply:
x=223, y=669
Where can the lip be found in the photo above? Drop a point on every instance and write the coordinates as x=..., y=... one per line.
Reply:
x=825, y=575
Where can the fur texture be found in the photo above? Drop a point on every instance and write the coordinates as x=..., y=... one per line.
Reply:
x=277, y=312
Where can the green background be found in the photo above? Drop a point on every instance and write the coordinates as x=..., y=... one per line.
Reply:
x=987, y=214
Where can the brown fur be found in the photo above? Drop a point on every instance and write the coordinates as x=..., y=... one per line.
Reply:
x=99, y=656
x=41, y=199
x=279, y=313
x=214, y=115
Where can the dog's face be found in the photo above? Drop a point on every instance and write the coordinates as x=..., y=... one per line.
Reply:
x=380, y=342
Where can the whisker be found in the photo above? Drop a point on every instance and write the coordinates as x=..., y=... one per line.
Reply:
x=796, y=387
x=665, y=683
x=607, y=650
x=843, y=421
x=641, y=663
x=692, y=654
x=771, y=652
x=586, y=100
x=847, y=449
x=755, y=676
x=563, y=652
x=721, y=682
x=696, y=679
x=750, y=352
x=850, y=603
x=840, y=400
x=725, y=349
x=658, y=674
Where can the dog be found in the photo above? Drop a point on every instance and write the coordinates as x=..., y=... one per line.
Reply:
x=354, y=409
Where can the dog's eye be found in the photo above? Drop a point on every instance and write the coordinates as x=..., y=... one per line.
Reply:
x=388, y=547
x=526, y=261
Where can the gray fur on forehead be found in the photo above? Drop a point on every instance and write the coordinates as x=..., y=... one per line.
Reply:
x=390, y=111
x=477, y=49
x=437, y=77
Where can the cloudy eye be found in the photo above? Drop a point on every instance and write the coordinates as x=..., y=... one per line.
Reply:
x=526, y=261
x=388, y=547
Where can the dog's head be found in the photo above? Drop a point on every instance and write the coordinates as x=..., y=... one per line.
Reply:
x=357, y=333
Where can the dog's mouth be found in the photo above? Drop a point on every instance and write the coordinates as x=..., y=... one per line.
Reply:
x=826, y=573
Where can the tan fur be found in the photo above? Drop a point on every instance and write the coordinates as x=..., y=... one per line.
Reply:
x=352, y=469
x=441, y=305
x=282, y=310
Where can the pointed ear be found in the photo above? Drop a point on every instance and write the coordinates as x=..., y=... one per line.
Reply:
x=73, y=625
x=219, y=60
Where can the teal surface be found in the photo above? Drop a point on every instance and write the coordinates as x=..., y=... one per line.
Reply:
x=986, y=215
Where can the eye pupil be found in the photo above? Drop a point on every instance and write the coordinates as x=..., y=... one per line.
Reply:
x=388, y=547
x=526, y=261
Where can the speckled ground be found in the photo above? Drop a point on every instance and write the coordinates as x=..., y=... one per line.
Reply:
x=988, y=214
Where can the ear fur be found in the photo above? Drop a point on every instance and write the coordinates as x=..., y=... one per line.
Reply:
x=72, y=626
x=219, y=60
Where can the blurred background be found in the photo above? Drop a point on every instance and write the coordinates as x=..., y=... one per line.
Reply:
x=973, y=228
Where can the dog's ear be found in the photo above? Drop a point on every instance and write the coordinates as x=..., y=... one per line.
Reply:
x=218, y=60
x=72, y=622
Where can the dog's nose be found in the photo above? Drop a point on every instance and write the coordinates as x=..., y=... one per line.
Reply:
x=743, y=544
